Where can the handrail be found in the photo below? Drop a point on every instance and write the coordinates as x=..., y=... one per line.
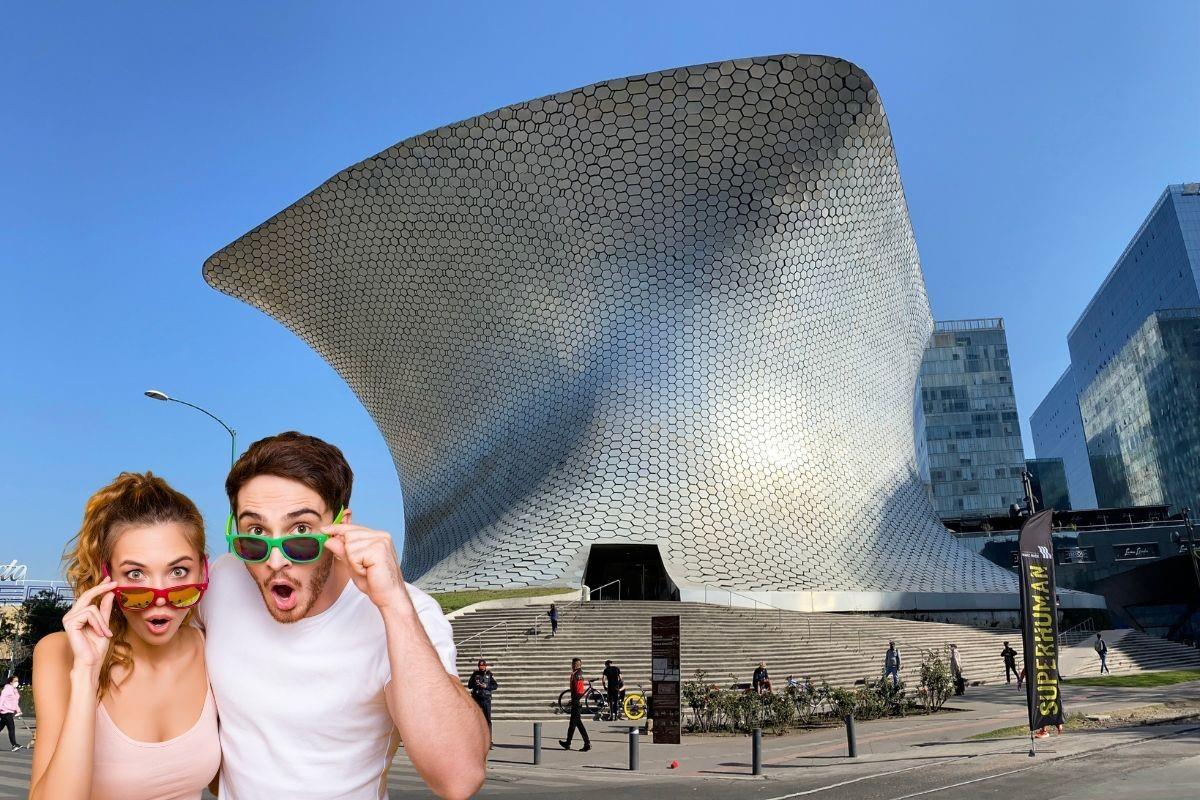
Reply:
x=755, y=600
x=847, y=632
x=1086, y=627
x=501, y=623
x=592, y=592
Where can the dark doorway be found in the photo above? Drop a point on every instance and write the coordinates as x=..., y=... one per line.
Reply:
x=639, y=568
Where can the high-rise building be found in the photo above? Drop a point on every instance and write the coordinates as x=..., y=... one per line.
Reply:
x=1141, y=415
x=1058, y=433
x=1048, y=480
x=1159, y=269
x=972, y=430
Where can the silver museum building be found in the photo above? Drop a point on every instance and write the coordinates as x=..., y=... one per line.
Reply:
x=664, y=329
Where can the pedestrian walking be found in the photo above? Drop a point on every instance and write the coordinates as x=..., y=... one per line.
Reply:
x=10, y=709
x=1010, y=663
x=1102, y=651
x=960, y=683
x=613, y=683
x=481, y=684
x=553, y=614
x=891, y=664
x=578, y=687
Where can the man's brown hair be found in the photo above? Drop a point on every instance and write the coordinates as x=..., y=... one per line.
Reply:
x=305, y=459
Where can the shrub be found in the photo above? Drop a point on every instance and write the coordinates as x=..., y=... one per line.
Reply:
x=936, y=683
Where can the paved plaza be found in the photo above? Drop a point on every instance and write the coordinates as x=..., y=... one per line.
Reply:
x=898, y=758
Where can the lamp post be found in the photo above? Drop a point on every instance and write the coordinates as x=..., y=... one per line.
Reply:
x=155, y=394
x=1190, y=547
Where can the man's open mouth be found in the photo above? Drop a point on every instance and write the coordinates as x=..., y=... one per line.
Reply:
x=158, y=625
x=284, y=595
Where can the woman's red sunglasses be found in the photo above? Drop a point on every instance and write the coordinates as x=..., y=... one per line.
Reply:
x=137, y=598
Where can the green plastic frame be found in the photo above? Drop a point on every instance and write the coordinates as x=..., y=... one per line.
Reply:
x=277, y=541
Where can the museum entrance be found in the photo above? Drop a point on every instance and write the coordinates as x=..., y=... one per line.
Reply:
x=639, y=568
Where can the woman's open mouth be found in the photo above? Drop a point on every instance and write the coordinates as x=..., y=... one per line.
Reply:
x=158, y=625
x=284, y=595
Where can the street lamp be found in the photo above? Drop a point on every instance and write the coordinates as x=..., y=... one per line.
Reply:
x=155, y=394
x=1190, y=546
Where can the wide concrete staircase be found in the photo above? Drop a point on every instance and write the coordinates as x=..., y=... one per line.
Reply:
x=727, y=643
x=1129, y=652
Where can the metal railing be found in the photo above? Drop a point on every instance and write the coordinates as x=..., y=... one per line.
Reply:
x=591, y=594
x=501, y=624
x=1077, y=633
x=731, y=594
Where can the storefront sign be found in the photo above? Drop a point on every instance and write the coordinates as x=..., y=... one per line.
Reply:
x=1132, y=552
x=1076, y=555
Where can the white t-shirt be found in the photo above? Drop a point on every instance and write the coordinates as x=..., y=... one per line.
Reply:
x=302, y=708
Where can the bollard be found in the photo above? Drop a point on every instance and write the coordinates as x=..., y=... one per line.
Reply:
x=633, y=749
x=851, y=744
x=537, y=743
x=756, y=752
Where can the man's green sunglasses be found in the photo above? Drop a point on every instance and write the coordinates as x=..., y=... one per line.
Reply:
x=300, y=548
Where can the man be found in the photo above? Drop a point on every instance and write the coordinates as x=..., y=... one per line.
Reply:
x=553, y=614
x=760, y=680
x=578, y=688
x=891, y=664
x=956, y=670
x=319, y=654
x=1010, y=663
x=611, y=678
x=481, y=684
x=1102, y=651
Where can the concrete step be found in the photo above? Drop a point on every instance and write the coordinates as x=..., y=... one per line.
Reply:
x=840, y=649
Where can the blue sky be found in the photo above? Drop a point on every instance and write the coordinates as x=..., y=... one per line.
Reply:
x=137, y=139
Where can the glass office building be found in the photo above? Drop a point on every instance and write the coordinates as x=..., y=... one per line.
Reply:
x=1058, y=433
x=1048, y=480
x=972, y=432
x=1141, y=415
x=1159, y=269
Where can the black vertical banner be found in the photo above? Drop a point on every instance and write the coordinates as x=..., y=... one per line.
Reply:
x=1039, y=621
x=664, y=678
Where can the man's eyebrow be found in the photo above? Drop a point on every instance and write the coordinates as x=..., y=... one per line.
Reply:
x=249, y=515
x=301, y=512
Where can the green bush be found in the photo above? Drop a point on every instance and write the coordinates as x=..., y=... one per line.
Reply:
x=936, y=682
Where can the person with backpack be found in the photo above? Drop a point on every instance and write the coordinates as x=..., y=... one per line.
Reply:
x=481, y=684
x=578, y=689
x=1102, y=651
x=553, y=614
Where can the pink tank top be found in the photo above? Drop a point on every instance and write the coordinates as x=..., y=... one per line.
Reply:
x=177, y=769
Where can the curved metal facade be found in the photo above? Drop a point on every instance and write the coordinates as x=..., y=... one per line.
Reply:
x=682, y=308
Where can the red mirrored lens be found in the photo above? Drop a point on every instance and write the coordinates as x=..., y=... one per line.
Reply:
x=184, y=597
x=134, y=599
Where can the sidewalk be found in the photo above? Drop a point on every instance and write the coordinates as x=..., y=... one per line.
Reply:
x=941, y=736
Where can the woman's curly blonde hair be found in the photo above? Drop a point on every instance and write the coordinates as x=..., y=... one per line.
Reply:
x=133, y=499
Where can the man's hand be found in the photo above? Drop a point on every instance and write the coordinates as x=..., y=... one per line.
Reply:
x=371, y=559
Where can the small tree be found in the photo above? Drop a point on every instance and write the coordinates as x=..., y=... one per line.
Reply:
x=936, y=683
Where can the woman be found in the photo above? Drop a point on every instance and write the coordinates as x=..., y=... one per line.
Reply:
x=10, y=708
x=124, y=708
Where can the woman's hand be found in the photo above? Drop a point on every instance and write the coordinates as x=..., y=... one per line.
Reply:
x=87, y=630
